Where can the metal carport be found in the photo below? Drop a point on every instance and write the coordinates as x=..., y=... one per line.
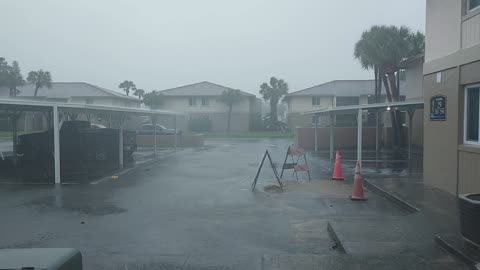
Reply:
x=408, y=106
x=19, y=105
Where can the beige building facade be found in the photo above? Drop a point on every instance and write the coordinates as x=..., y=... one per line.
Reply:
x=452, y=74
x=201, y=101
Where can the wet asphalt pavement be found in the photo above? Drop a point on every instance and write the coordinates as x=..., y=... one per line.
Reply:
x=195, y=210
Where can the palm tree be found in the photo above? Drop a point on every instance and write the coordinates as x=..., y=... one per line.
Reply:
x=273, y=93
x=153, y=100
x=127, y=86
x=140, y=93
x=381, y=48
x=41, y=79
x=14, y=79
x=230, y=97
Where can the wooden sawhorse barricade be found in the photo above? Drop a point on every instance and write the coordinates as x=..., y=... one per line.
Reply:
x=296, y=152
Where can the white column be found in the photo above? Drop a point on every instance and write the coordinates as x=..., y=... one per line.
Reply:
x=316, y=132
x=411, y=112
x=120, y=143
x=175, y=132
x=154, y=122
x=359, y=137
x=331, y=136
x=56, y=144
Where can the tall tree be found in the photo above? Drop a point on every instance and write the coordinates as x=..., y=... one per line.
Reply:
x=14, y=79
x=127, y=86
x=153, y=100
x=273, y=94
x=140, y=93
x=41, y=79
x=381, y=48
x=230, y=97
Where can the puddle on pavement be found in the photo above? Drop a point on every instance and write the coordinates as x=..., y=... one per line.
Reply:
x=72, y=205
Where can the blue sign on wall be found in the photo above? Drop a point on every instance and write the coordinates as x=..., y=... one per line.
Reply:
x=438, y=108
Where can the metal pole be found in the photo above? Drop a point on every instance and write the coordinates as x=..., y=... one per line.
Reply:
x=316, y=132
x=411, y=112
x=175, y=132
x=120, y=143
x=154, y=121
x=331, y=136
x=359, y=137
x=377, y=134
x=56, y=144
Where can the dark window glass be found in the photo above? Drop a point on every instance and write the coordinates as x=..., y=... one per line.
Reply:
x=472, y=114
x=315, y=100
x=473, y=4
x=346, y=101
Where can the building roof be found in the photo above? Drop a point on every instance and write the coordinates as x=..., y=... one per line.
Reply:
x=338, y=88
x=412, y=61
x=65, y=90
x=199, y=89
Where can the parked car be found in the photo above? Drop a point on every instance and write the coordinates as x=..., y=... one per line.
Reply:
x=148, y=129
x=97, y=126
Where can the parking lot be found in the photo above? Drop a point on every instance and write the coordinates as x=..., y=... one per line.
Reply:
x=194, y=209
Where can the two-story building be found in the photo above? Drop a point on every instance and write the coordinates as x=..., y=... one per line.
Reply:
x=200, y=102
x=330, y=94
x=67, y=92
x=452, y=95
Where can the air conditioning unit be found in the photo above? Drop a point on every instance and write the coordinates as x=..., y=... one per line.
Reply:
x=470, y=218
x=41, y=258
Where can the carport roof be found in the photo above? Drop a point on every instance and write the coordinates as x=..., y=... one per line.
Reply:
x=29, y=105
x=416, y=104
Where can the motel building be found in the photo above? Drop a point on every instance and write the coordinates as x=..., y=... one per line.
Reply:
x=452, y=96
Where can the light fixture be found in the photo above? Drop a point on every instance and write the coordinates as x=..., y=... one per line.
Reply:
x=388, y=108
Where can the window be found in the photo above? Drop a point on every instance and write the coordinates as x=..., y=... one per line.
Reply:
x=205, y=101
x=473, y=4
x=471, y=114
x=192, y=101
x=89, y=101
x=315, y=101
x=346, y=101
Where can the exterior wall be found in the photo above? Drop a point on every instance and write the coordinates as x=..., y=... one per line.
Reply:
x=180, y=104
x=107, y=101
x=297, y=105
x=452, y=48
x=441, y=137
x=303, y=104
x=413, y=89
x=442, y=28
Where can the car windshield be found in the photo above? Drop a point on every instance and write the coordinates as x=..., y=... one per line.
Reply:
x=272, y=134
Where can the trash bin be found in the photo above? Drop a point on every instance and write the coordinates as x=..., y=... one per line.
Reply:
x=470, y=218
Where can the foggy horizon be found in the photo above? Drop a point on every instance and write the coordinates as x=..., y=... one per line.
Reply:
x=162, y=45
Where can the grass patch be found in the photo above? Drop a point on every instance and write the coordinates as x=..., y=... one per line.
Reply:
x=8, y=134
x=254, y=134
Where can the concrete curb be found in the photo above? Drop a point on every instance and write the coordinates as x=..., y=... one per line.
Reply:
x=456, y=252
x=389, y=196
x=334, y=236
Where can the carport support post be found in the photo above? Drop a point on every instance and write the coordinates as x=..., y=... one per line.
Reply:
x=56, y=144
x=154, y=122
x=175, y=132
x=120, y=142
x=316, y=132
x=411, y=112
x=359, y=137
x=331, y=137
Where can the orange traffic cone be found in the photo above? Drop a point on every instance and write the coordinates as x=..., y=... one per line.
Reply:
x=337, y=169
x=357, y=192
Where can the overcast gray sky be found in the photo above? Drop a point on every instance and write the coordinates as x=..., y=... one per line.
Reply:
x=164, y=44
